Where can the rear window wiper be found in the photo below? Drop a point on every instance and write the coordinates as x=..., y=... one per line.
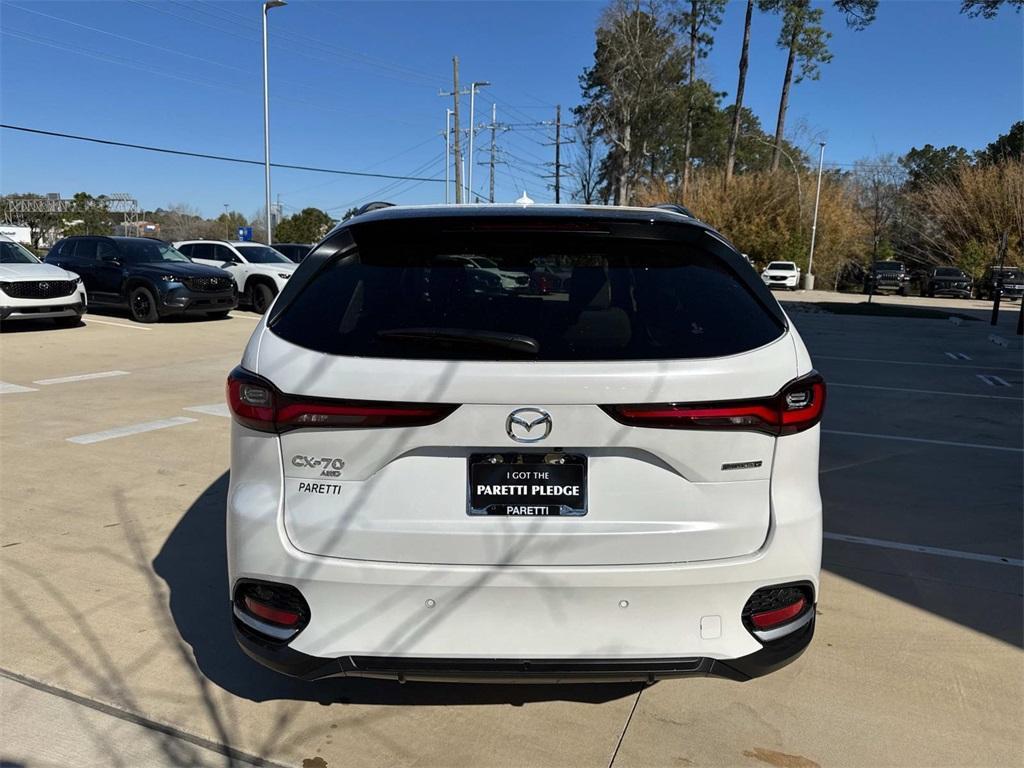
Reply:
x=510, y=341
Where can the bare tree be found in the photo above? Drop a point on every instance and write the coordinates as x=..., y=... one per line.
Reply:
x=637, y=70
x=181, y=222
x=585, y=168
x=879, y=182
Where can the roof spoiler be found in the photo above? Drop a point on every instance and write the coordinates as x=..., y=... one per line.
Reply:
x=676, y=208
x=376, y=205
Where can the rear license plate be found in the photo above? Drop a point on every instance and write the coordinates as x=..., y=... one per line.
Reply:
x=527, y=485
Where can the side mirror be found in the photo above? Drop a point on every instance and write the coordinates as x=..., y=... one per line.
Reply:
x=227, y=264
x=113, y=261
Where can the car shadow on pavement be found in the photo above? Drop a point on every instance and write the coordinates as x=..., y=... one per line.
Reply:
x=122, y=314
x=193, y=563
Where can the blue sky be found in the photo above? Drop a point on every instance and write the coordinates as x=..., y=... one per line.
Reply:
x=354, y=86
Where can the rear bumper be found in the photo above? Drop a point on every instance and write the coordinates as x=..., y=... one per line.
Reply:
x=281, y=658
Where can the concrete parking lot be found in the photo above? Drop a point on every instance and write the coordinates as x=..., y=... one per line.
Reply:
x=117, y=647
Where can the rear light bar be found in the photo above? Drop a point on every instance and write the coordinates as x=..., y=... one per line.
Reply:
x=796, y=407
x=257, y=404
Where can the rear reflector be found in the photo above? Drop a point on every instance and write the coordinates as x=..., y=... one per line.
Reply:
x=269, y=607
x=769, y=619
x=796, y=407
x=272, y=614
x=772, y=609
x=257, y=404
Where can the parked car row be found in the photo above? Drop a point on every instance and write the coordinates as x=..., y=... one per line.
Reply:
x=149, y=278
x=259, y=271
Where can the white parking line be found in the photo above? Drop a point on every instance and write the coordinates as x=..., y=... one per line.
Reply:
x=923, y=391
x=957, y=356
x=134, y=429
x=925, y=550
x=910, y=362
x=89, y=320
x=923, y=440
x=993, y=381
x=81, y=377
x=214, y=409
x=10, y=389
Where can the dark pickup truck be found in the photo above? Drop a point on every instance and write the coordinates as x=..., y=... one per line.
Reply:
x=946, y=281
x=887, y=277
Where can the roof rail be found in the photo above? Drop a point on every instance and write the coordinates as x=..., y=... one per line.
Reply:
x=676, y=208
x=376, y=205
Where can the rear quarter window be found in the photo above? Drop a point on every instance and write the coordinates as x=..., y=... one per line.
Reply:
x=417, y=290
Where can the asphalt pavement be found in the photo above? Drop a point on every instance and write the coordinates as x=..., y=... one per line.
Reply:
x=117, y=648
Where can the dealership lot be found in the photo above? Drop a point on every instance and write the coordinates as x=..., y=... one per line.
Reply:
x=116, y=630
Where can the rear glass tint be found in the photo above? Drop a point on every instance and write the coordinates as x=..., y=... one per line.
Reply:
x=420, y=292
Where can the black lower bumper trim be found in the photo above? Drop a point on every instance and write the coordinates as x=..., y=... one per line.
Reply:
x=279, y=657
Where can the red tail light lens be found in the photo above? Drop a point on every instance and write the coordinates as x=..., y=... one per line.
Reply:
x=798, y=406
x=256, y=403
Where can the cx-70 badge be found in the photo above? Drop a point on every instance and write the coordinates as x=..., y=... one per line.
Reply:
x=528, y=425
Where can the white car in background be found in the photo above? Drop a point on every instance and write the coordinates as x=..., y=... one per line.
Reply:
x=510, y=281
x=30, y=289
x=260, y=272
x=782, y=274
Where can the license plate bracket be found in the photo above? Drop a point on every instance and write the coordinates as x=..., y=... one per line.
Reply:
x=504, y=484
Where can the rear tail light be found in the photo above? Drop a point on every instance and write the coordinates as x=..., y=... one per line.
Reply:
x=278, y=611
x=773, y=612
x=257, y=404
x=796, y=407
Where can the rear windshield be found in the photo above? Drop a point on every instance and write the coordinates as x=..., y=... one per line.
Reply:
x=423, y=293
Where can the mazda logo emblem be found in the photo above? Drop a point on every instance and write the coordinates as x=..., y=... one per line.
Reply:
x=528, y=425
x=44, y=286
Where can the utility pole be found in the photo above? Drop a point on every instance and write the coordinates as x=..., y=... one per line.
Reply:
x=558, y=150
x=558, y=154
x=494, y=145
x=447, y=155
x=472, y=130
x=455, y=93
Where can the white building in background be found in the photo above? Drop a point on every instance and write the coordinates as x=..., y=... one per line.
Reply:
x=17, y=233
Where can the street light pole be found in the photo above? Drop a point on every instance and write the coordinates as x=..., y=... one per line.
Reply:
x=267, y=5
x=472, y=131
x=809, y=280
x=227, y=221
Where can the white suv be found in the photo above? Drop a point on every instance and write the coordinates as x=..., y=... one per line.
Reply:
x=782, y=274
x=30, y=289
x=614, y=480
x=260, y=272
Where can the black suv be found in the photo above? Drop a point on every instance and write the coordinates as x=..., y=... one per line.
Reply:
x=946, y=281
x=887, y=276
x=1010, y=280
x=294, y=251
x=147, y=276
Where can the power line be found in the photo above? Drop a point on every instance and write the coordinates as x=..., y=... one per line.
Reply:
x=206, y=156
